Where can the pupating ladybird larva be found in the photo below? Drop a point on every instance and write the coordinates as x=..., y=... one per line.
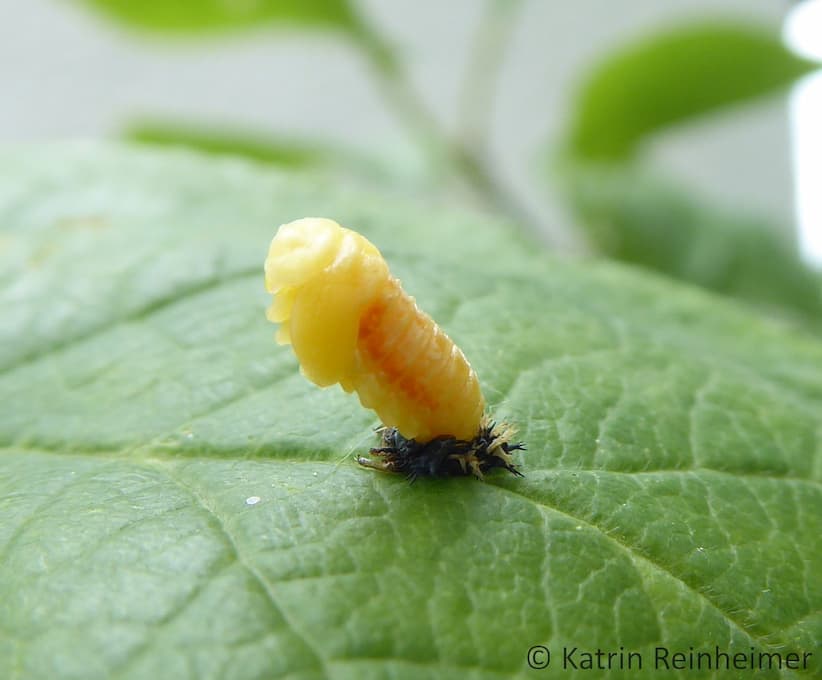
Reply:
x=350, y=322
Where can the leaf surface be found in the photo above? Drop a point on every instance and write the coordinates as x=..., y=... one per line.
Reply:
x=672, y=480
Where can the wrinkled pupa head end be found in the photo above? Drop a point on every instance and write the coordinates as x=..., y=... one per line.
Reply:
x=299, y=251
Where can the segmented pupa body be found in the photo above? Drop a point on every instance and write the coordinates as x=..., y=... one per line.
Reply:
x=350, y=322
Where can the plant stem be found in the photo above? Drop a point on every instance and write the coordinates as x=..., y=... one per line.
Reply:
x=491, y=42
x=465, y=161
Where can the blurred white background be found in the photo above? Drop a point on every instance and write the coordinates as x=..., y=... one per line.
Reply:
x=67, y=73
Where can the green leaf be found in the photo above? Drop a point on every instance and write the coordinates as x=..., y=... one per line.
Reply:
x=673, y=481
x=197, y=16
x=634, y=216
x=223, y=142
x=394, y=172
x=671, y=77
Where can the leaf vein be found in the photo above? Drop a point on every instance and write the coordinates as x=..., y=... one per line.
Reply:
x=152, y=307
x=638, y=557
x=241, y=559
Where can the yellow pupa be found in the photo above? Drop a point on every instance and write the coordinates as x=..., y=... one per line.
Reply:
x=350, y=322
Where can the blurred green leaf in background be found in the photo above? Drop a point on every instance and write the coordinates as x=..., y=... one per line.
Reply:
x=671, y=77
x=632, y=214
x=210, y=16
x=285, y=152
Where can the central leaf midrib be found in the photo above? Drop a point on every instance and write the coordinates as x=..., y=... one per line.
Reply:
x=135, y=455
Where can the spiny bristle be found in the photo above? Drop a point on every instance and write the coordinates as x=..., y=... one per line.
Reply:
x=446, y=456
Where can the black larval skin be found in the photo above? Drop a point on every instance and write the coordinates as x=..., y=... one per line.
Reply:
x=443, y=456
